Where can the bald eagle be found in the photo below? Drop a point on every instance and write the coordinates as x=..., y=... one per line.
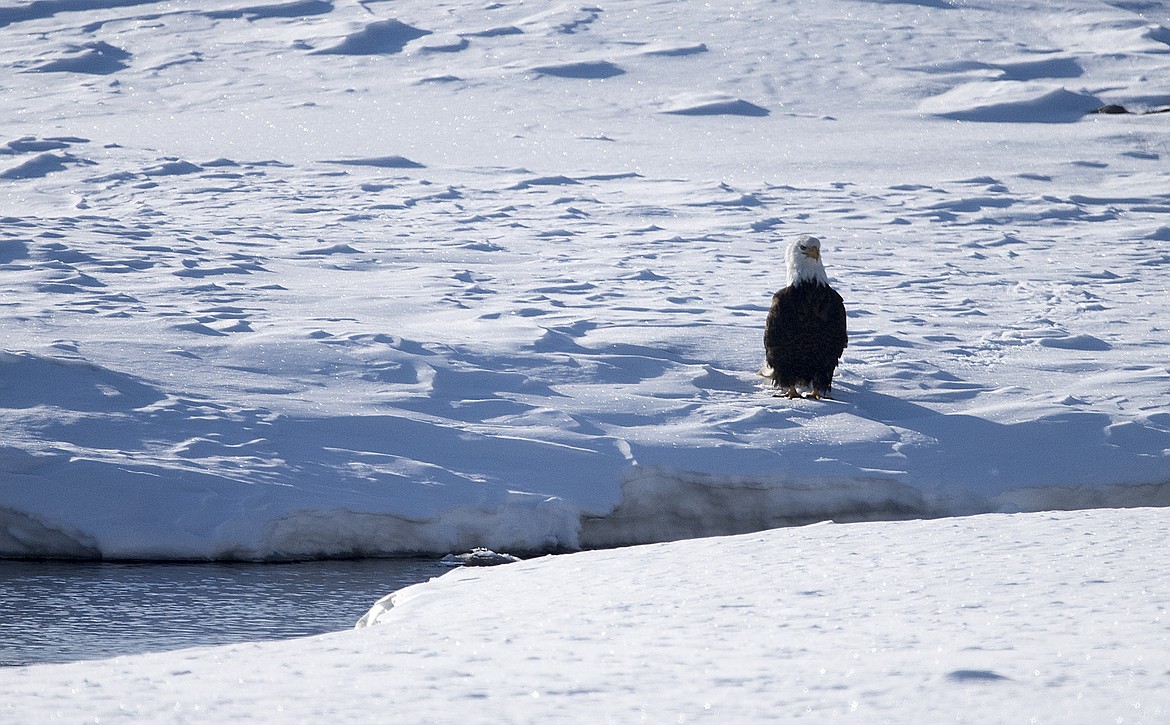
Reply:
x=804, y=335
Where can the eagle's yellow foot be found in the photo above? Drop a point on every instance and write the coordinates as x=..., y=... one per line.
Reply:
x=792, y=393
x=818, y=395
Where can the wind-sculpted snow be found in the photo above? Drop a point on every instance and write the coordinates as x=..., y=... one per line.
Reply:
x=384, y=162
x=1012, y=101
x=97, y=58
x=312, y=279
x=586, y=69
x=39, y=9
x=383, y=37
x=713, y=105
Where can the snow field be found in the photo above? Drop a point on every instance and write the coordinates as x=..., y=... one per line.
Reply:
x=539, y=388
x=329, y=278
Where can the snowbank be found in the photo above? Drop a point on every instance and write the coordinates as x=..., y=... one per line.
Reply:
x=312, y=279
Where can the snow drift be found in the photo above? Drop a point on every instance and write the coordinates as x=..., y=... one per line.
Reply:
x=312, y=279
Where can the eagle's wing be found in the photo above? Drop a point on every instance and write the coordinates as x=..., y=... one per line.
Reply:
x=837, y=322
x=774, y=325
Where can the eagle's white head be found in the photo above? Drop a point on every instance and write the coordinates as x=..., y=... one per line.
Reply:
x=804, y=261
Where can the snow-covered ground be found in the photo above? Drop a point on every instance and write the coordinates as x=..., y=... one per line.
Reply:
x=321, y=278
x=310, y=278
x=1027, y=618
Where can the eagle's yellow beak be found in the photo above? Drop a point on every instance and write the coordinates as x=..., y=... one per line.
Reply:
x=813, y=253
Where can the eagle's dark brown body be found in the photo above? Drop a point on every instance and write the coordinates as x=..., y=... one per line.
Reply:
x=805, y=335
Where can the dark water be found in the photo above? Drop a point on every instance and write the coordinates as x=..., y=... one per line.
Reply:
x=65, y=611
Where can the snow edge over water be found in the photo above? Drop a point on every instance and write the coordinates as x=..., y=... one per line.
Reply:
x=658, y=505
